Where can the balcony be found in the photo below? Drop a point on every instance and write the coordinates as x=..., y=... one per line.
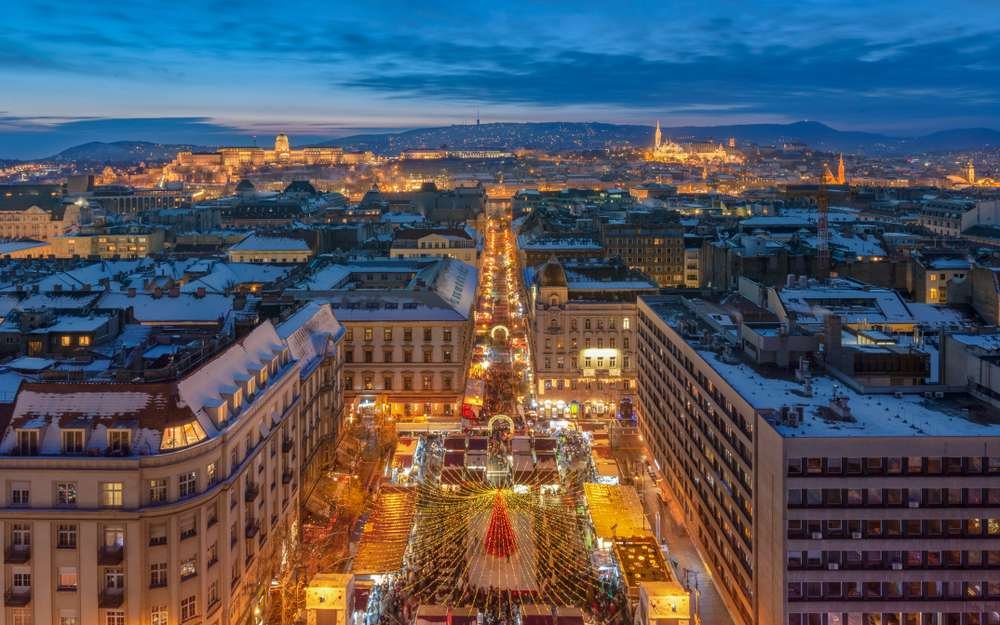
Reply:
x=251, y=491
x=17, y=554
x=286, y=476
x=287, y=444
x=253, y=526
x=111, y=598
x=17, y=597
x=111, y=555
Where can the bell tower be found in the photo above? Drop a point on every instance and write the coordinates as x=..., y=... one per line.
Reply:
x=657, y=136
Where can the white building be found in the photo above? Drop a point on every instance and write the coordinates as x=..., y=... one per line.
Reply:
x=258, y=249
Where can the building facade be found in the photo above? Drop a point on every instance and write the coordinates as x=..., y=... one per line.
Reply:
x=812, y=504
x=583, y=335
x=168, y=502
x=436, y=242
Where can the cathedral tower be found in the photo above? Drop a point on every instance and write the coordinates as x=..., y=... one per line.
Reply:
x=841, y=171
x=657, y=136
x=970, y=172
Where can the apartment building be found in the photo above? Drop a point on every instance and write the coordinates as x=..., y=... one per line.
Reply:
x=409, y=329
x=583, y=335
x=814, y=504
x=653, y=245
x=460, y=243
x=116, y=242
x=166, y=502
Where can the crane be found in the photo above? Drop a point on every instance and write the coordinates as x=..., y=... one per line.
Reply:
x=823, y=234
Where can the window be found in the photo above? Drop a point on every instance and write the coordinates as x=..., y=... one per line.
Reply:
x=408, y=334
x=66, y=493
x=212, y=472
x=446, y=382
x=213, y=593
x=428, y=335
x=189, y=568
x=72, y=441
x=387, y=335
x=446, y=335
x=427, y=382
x=407, y=383
x=446, y=355
x=369, y=334
x=83, y=340
x=428, y=355
x=189, y=608
x=387, y=382
x=20, y=494
x=111, y=494
x=157, y=574
x=68, y=617
x=118, y=441
x=21, y=616
x=158, y=615
x=187, y=484
x=68, y=578
x=157, y=490
x=66, y=537
x=65, y=340
x=349, y=336
x=114, y=617
x=27, y=442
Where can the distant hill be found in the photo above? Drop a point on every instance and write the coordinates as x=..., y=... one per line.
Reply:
x=122, y=152
x=592, y=135
x=561, y=136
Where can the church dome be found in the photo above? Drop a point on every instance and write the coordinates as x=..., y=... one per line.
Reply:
x=245, y=186
x=552, y=274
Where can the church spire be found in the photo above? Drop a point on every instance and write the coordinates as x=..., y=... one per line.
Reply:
x=657, y=136
x=970, y=172
x=841, y=171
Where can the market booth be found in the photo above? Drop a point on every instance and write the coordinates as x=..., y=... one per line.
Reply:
x=435, y=614
x=540, y=614
x=328, y=598
x=663, y=603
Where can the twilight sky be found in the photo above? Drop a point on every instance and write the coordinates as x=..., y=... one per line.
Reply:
x=219, y=72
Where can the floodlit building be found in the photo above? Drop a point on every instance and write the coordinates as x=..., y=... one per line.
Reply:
x=409, y=332
x=811, y=502
x=460, y=243
x=38, y=212
x=117, y=242
x=171, y=501
x=261, y=249
x=583, y=335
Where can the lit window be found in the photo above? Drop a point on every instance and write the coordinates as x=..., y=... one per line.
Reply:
x=65, y=340
x=84, y=340
x=111, y=494
x=68, y=578
x=189, y=608
x=66, y=493
x=158, y=615
x=187, y=484
x=157, y=490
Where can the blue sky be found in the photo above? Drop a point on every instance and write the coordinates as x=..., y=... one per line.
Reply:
x=219, y=72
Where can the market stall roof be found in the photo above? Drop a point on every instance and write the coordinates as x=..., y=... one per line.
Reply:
x=454, y=443
x=545, y=444
x=454, y=459
x=640, y=560
x=477, y=443
x=429, y=614
x=615, y=511
x=387, y=532
x=538, y=614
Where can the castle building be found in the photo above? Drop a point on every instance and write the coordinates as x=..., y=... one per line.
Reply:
x=704, y=152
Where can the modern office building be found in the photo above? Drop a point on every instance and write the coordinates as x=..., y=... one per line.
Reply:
x=812, y=503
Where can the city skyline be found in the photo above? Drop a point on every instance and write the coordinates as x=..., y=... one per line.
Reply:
x=232, y=72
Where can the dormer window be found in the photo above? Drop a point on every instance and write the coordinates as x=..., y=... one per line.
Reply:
x=72, y=441
x=27, y=442
x=119, y=442
x=237, y=400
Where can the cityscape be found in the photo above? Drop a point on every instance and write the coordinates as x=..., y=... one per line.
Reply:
x=398, y=315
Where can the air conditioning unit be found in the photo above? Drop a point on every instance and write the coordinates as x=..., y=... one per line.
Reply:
x=914, y=504
x=897, y=566
x=817, y=535
x=833, y=566
x=855, y=534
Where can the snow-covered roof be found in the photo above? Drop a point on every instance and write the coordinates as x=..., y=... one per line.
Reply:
x=270, y=244
x=875, y=415
x=149, y=309
x=850, y=300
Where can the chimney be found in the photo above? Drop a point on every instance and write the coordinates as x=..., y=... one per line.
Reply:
x=200, y=292
x=174, y=291
x=790, y=281
x=832, y=329
x=131, y=291
x=157, y=292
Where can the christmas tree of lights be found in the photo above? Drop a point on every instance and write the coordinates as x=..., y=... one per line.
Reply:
x=501, y=542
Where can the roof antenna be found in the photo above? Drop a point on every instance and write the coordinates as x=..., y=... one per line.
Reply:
x=477, y=115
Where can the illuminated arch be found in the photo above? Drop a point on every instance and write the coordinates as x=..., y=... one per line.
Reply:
x=497, y=329
x=500, y=417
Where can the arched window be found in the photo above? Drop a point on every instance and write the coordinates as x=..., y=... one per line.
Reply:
x=554, y=300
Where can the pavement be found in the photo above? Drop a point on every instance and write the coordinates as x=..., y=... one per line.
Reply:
x=681, y=550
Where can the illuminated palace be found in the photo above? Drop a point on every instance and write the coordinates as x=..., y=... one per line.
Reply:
x=701, y=152
x=226, y=162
